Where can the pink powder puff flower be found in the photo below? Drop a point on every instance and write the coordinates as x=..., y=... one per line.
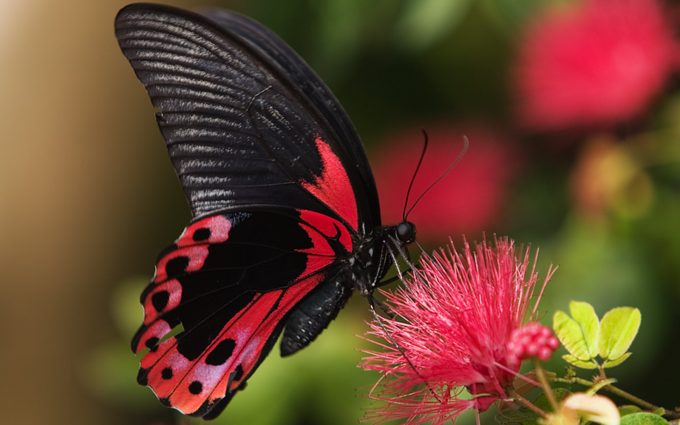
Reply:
x=453, y=326
x=468, y=200
x=593, y=64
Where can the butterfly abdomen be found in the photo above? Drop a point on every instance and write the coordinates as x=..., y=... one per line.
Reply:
x=313, y=315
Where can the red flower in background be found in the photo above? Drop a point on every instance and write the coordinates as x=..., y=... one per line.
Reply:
x=595, y=64
x=457, y=323
x=468, y=200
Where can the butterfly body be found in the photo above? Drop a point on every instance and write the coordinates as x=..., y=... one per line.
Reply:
x=286, y=217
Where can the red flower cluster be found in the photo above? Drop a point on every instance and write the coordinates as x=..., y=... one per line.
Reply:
x=468, y=200
x=531, y=340
x=452, y=325
x=595, y=64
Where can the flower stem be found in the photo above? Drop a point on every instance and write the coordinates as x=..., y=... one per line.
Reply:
x=526, y=403
x=547, y=389
x=619, y=392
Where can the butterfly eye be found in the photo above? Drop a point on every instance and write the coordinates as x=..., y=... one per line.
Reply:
x=406, y=232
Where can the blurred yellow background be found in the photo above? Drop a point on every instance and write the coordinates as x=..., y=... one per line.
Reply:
x=76, y=129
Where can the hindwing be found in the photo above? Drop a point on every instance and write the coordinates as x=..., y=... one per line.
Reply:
x=221, y=295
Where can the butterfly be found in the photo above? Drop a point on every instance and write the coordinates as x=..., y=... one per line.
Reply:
x=286, y=219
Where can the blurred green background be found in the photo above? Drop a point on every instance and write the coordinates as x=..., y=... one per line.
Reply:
x=90, y=197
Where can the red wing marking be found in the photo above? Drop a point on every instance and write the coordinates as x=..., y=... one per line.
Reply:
x=333, y=186
x=327, y=227
x=218, y=227
x=193, y=243
x=171, y=291
x=230, y=358
x=320, y=228
x=195, y=255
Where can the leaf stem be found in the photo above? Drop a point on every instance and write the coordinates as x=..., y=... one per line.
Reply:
x=547, y=389
x=601, y=375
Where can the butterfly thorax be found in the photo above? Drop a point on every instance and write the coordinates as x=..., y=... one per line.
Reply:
x=375, y=253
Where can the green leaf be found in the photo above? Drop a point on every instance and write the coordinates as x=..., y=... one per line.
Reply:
x=616, y=362
x=617, y=331
x=571, y=335
x=659, y=411
x=643, y=418
x=584, y=314
x=583, y=364
x=628, y=409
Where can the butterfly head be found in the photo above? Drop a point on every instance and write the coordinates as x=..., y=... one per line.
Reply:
x=406, y=232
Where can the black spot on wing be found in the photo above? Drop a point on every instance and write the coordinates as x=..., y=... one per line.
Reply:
x=221, y=353
x=171, y=320
x=238, y=373
x=201, y=234
x=160, y=300
x=152, y=343
x=166, y=373
x=142, y=376
x=195, y=387
x=177, y=265
x=211, y=410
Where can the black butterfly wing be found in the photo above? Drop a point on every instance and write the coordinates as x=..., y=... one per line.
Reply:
x=300, y=76
x=245, y=120
x=262, y=149
x=220, y=296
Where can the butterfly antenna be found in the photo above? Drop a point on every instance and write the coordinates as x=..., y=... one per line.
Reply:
x=415, y=173
x=459, y=157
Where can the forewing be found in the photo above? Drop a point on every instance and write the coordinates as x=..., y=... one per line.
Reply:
x=245, y=120
x=300, y=77
x=221, y=295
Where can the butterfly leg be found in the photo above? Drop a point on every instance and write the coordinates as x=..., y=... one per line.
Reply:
x=393, y=278
x=400, y=272
x=376, y=305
